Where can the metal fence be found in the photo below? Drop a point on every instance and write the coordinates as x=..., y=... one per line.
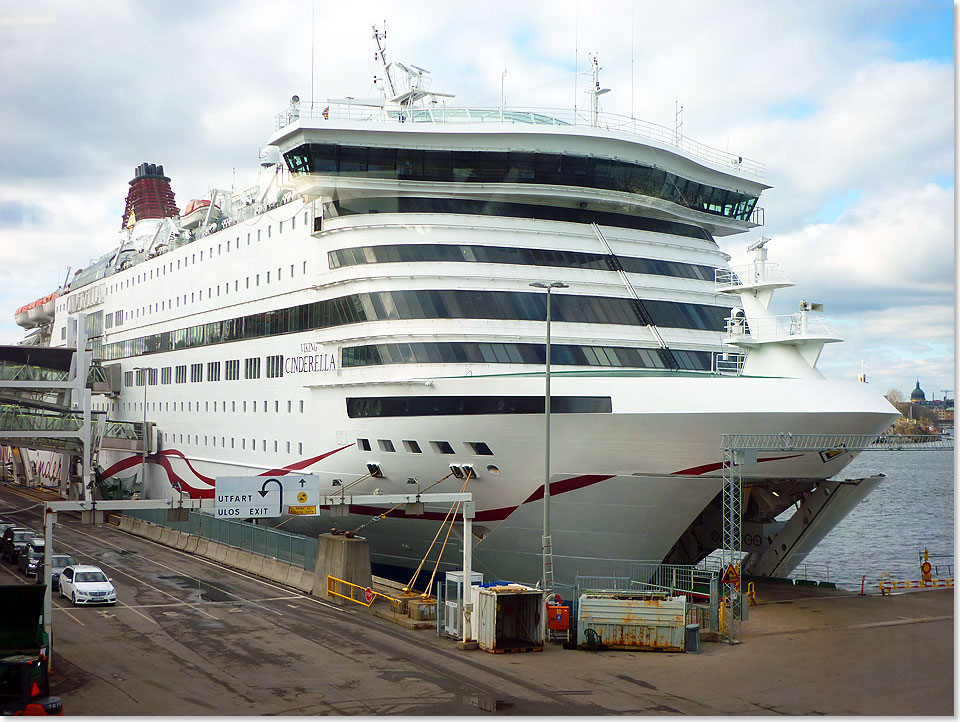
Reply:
x=276, y=543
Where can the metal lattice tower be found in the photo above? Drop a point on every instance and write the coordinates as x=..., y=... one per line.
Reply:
x=732, y=522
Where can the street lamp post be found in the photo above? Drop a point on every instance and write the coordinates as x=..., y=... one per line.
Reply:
x=547, y=542
x=143, y=445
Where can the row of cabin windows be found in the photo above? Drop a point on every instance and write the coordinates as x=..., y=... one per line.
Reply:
x=116, y=318
x=426, y=304
x=476, y=448
x=234, y=443
x=215, y=406
x=251, y=370
x=187, y=260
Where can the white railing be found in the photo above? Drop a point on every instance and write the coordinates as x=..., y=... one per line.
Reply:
x=727, y=363
x=749, y=275
x=531, y=116
x=776, y=328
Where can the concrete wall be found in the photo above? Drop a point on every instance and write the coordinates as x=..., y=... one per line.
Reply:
x=347, y=559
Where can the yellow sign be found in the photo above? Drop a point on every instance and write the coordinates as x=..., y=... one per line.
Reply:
x=302, y=510
x=302, y=497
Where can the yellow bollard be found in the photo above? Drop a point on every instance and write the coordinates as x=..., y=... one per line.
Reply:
x=751, y=594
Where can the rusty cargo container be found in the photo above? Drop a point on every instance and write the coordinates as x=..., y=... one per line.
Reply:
x=630, y=620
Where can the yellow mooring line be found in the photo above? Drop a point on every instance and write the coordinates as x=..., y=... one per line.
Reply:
x=364, y=596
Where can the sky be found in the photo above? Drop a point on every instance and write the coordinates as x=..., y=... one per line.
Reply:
x=850, y=105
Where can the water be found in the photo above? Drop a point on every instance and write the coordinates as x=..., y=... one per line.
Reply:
x=911, y=509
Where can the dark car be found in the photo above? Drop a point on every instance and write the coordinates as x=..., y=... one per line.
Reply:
x=13, y=540
x=31, y=556
x=58, y=562
x=4, y=525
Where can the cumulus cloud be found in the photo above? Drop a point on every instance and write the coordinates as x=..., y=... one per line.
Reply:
x=816, y=90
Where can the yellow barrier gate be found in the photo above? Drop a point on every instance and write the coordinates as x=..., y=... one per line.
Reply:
x=887, y=584
x=364, y=596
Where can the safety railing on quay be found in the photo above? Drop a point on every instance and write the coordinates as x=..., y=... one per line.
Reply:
x=267, y=541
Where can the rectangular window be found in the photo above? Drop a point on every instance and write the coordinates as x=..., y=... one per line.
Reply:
x=385, y=445
x=274, y=366
x=412, y=446
x=231, y=371
x=251, y=368
x=196, y=373
x=128, y=378
x=441, y=447
x=213, y=371
x=166, y=375
x=480, y=448
x=363, y=444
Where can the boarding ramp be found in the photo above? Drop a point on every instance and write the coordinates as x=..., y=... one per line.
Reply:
x=830, y=500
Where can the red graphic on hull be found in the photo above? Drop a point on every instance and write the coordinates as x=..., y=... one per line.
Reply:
x=197, y=492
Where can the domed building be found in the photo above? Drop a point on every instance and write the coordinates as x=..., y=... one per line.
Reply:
x=917, y=396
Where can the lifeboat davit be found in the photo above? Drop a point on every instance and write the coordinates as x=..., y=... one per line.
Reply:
x=196, y=211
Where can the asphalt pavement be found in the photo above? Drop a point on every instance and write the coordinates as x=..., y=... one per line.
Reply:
x=189, y=637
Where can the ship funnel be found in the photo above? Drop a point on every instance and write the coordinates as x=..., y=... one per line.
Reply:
x=150, y=196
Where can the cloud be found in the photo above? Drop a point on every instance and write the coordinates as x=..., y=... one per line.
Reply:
x=822, y=92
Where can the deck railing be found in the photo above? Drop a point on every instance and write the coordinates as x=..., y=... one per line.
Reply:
x=323, y=111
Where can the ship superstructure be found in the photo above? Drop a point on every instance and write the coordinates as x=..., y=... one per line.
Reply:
x=366, y=312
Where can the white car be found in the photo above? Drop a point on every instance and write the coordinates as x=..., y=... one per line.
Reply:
x=83, y=584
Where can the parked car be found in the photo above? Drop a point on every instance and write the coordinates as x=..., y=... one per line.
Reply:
x=4, y=525
x=13, y=540
x=58, y=562
x=83, y=584
x=31, y=556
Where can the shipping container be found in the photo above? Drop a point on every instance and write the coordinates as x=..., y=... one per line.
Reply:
x=630, y=620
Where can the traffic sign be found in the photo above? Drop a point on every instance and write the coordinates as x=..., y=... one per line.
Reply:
x=243, y=497
x=731, y=576
x=368, y=595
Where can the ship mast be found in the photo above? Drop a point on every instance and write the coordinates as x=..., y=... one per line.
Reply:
x=595, y=91
x=382, y=55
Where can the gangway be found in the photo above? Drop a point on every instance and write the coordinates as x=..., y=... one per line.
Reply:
x=47, y=400
x=740, y=450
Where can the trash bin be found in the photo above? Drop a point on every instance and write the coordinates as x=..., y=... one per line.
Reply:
x=691, y=639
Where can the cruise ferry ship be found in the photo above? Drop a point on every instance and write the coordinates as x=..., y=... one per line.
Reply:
x=373, y=310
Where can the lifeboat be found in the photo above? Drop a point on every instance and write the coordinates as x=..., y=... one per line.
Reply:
x=196, y=211
x=22, y=317
x=37, y=313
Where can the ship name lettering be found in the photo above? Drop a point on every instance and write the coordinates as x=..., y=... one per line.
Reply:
x=310, y=363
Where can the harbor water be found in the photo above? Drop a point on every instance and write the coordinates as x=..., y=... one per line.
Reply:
x=911, y=509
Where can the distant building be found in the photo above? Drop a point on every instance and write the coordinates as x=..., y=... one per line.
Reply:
x=939, y=411
x=917, y=395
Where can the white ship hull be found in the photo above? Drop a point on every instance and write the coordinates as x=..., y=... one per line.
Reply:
x=625, y=485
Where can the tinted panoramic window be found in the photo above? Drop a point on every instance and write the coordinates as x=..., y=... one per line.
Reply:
x=520, y=167
x=521, y=353
x=404, y=204
x=424, y=304
x=363, y=407
x=416, y=253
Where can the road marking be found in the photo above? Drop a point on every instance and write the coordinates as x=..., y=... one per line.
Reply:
x=252, y=578
x=133, y=609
